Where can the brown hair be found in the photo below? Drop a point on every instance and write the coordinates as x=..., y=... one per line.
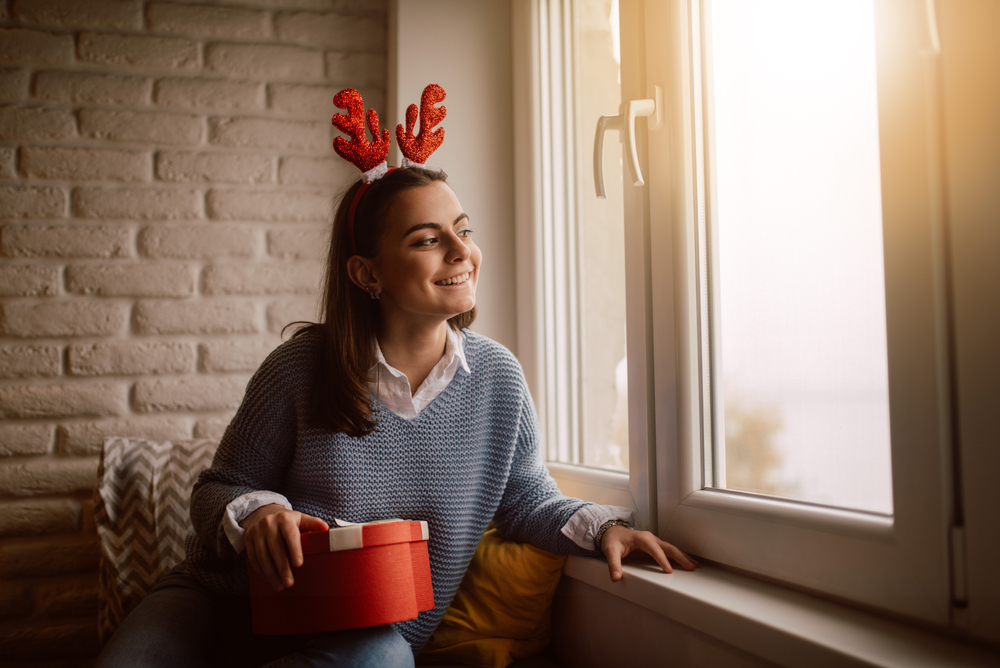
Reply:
x=350, y=318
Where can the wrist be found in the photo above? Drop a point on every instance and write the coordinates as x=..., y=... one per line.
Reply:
x=599, y=536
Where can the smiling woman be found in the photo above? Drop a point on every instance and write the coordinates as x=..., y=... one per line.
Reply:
x=390, y=407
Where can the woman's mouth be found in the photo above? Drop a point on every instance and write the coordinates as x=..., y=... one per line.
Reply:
x=455, y=280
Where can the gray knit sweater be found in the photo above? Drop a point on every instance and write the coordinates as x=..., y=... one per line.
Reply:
x=469, y=458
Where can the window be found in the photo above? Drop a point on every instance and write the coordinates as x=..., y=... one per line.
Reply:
x=784, y=268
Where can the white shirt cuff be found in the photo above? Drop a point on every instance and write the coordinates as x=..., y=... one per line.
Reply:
x=586, y=522
x=240, y=508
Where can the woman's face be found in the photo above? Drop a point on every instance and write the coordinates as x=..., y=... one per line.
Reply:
x=427, y=264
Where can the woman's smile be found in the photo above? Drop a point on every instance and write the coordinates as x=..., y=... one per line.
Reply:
x=455, y=280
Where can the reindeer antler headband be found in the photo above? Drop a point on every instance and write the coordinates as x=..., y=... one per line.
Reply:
x=369, y=156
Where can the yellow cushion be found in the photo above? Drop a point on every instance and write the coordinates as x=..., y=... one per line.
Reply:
x=503, y=610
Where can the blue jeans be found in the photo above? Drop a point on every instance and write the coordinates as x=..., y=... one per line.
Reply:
x=180, y=623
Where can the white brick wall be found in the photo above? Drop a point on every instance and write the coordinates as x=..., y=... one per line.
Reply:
x=166, y=181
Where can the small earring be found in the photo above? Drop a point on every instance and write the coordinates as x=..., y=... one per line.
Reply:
x=374, y=294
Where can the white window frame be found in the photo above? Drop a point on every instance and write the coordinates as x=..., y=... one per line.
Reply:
x=548, y=321
x=912, y=564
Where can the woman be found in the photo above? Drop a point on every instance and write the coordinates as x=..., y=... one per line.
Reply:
x=331, y=428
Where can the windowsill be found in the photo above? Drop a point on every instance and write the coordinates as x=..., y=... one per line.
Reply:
x=779, y=625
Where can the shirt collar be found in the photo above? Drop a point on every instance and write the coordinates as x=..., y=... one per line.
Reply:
x=454, y=347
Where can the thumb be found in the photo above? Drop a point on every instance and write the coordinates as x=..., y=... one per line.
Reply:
x=310, y=523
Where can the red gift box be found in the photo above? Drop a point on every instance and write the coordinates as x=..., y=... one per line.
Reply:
x=351, y=576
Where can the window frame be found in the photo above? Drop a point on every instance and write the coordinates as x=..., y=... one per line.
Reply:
x=537, y=193
x=899, y=563
x=905, y=564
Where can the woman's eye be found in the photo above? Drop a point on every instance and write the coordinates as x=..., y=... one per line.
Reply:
x=465, y=233
x=426, y=241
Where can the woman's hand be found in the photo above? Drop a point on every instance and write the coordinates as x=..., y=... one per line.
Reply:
x=619, y=541
x=272, y=537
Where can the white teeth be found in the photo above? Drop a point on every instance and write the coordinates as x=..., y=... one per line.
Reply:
x=454, y=281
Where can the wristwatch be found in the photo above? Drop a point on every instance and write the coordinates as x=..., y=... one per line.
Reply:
x=607, y=525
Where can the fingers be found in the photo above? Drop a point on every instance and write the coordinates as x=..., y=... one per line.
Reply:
x=620, y=544
x=279, y=554
x=262, y=561
x=686, y=562
x=613, y=553
x=290, y=532
x=310, y=523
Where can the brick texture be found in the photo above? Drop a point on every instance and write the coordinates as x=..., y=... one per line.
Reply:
x=243, y=132
x=33, y=47
x=193, y=393
x=86, y=438
x=137, y=280
x=13, y=84
x=356, y=69
x=61, y=318
x=37, y=517
x=25, y=280
x=166, y=183
x=87, y=88
x=48, y=476
x=66, y=400
x=68, y=596
x=8, y=162
x=130, y=357
x=26, y=361
x=160, y=53
x=286, y=311
x=301, y=170
x=86, y=164
x=267, y=205
x=132, y=126
x=264, y=62
x=311, y=243
x=208, y=316
x=212, y=427
x=262, y=279
x=335, y=31
x=32, y=202
x=214, y=167
x=64, y=241
x=47, y=557
x=136, y=203
x=226, y=22
x=197, y=242
x=34, y=439
x=234, y=354
x=209, y=94
x=92, y=13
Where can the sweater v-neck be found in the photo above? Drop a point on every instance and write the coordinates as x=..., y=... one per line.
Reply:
x=461, y=377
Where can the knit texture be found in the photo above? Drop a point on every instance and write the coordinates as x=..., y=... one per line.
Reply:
x=470, y=458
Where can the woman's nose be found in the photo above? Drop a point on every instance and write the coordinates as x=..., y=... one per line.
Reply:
x=459, y=251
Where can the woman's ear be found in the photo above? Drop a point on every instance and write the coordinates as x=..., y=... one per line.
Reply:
x=362, y=273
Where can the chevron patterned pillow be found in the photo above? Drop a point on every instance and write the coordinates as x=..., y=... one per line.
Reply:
x=141, y=506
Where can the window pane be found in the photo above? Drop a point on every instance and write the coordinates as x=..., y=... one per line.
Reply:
x=798, y=295
x=601, y=239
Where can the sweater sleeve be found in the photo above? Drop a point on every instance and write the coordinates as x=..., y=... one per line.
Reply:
x=253, y=455
x=532, y=509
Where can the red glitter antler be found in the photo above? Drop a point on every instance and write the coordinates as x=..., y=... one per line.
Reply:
x=418, y=149
x=360, y=152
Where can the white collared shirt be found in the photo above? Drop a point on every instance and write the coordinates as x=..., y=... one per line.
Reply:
x=392, y=388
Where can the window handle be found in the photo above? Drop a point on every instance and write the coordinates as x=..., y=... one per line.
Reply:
x=604, y=123
x=624, y=123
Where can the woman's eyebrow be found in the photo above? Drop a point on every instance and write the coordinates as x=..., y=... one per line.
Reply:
x=422, y=226
x=433, y=226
